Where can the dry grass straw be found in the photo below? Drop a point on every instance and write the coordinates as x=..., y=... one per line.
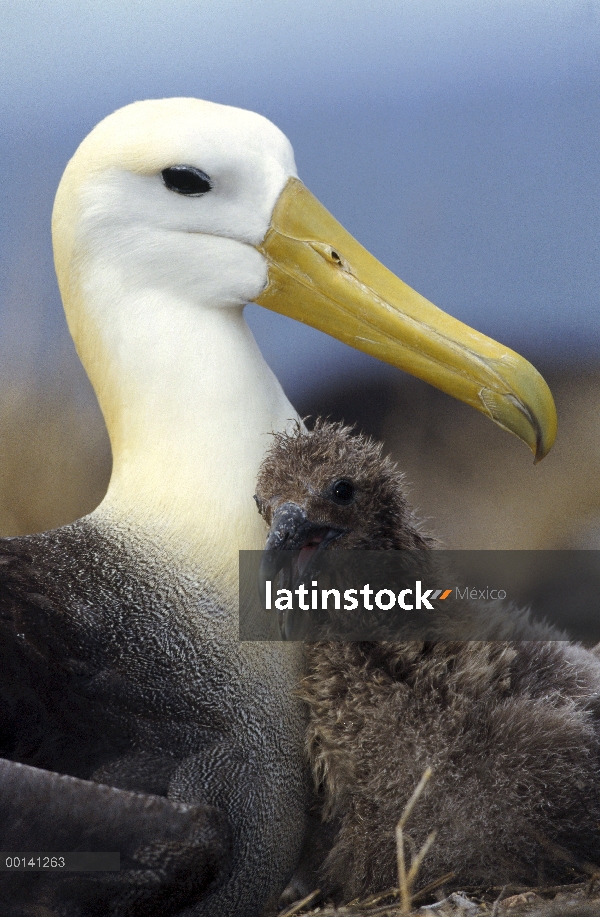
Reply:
x=407, y=878
x=297, y=906
x=561, y=855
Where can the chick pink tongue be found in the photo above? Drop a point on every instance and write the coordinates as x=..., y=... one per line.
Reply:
x=306, y=553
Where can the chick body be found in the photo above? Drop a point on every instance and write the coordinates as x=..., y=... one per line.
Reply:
x=510, y=729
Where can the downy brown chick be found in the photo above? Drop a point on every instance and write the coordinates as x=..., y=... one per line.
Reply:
x=511, y=730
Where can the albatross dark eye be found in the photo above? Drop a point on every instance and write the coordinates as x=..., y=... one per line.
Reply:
x=342, y=492
x=186, y=180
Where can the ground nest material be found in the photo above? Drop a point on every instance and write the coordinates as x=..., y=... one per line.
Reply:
x=579, y=900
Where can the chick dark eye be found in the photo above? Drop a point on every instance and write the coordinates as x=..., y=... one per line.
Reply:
x=186, y=180
x=342, y=492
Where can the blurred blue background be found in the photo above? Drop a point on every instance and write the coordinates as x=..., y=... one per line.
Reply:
x=457, y=140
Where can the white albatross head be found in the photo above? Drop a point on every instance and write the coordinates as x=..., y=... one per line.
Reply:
x=114, y=203
x=171, y=216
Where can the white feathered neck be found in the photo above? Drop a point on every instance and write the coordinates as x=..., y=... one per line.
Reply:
x=154, y=285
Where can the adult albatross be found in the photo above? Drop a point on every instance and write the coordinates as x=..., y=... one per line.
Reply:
x=133, y=718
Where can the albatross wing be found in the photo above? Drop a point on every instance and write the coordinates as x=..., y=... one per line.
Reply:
x=57, y=664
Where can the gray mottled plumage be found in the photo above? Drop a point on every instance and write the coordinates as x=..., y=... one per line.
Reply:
x=108, y=674
x=170, y=853
x=511, y=730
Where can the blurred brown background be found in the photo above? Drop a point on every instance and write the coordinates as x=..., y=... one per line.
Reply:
x=475, y=484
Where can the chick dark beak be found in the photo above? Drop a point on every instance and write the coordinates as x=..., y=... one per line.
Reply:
x=290, y=528
x=293, y=544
